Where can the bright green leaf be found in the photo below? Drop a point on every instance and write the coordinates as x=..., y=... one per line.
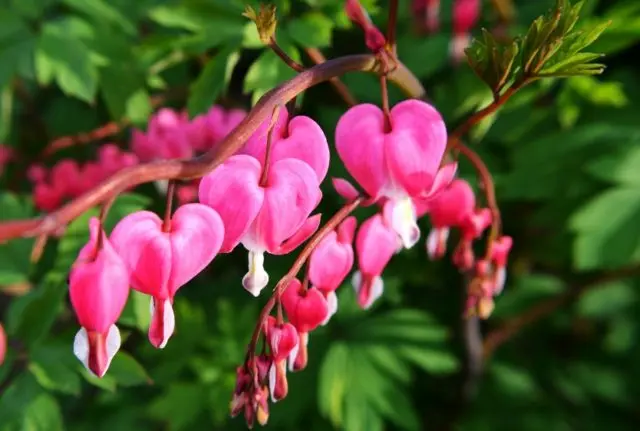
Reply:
x=55, y=367
x=607, y=300
x=212, y=80
x=102, y=12
x=267, y=72
x=312, y=30
x=126, y=371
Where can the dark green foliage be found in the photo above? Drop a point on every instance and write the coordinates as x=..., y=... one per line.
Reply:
x=565, y=155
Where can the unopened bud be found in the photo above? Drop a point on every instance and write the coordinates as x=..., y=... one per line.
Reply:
x=265, y=20
x=278, y=384
x=298, y=362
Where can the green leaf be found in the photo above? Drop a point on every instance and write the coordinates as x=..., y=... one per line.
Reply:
x=17, y=398
x=514, y=381
x=179, y=405
x=430, y=360
x=55, y=367
x=31, y=316
x=15, y=255
x=619, y=167
x=102, y=12
x=43, y=414
x=312, y=30
x=126, y=371
x=607, y=300
x=136, y=311
x=333, y=384
x=608, y=238
x=66, y=59
x=215, y=76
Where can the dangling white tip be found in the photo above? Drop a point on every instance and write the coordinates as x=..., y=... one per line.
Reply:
x=501, y=278
x=332, y=303
x=162, y=186
x=257, y=278
x=403, y=221
x=81, y=348
x=168, y=317
x=437, y=242
x=272, y=381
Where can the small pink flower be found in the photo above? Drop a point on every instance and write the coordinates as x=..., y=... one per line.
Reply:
x=298, y=138
x=332, y=259
x=465, y=16
x=305, y=308
x=272, y=218
x=167, y=137
x=282, y=338
x=210, y=128
x=98, y=287
x=374, y=38
x=451, y=208
x=46, y=197
x=499, y=255
x=399, y=165
x=160, y=262
x=376, y=243
x=37, y=173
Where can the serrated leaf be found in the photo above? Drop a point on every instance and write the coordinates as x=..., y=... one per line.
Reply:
x=67, y=60
x=212, y=80
x=311, y=30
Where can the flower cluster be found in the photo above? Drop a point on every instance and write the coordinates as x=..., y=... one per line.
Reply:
x=465, y=16
x=68, y=179
x=262, y=198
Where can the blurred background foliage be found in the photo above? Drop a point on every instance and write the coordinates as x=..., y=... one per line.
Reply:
x=562, y=343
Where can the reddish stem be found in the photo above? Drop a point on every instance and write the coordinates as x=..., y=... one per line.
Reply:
x=200, y=166
x=489, y=190
x=171, y=191
x=385, y=103
x=316, y=56
x=267, y=155
x=392, y=24
x=330, y=225
x=284, y=56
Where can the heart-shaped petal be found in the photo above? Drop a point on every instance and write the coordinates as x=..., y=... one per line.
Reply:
x=146, y=251
x=306, y=308
x=232, y=190
x=360, y=141
x=376, y=243
x=330, y=263
x=291, y=194
x=415, y=146
x=452, y=206
x=196, y=236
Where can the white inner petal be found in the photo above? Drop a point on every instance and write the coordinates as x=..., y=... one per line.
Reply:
x=332, y=302
x=162, y=186
x=272, y=381
x=403, y=221
x=257, y=278
x=501, y=278
x=377, y=287
x=437, y=242
x=113, y=343
x=81, y=348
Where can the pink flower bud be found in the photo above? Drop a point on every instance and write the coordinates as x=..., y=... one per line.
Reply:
x=306, y=308
x=98, y=287
x=282, y=338
x=332, y=259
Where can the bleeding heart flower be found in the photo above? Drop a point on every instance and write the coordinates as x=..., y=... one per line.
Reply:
x=98, y=287
x=499, y=255
x=427, y=13
x=376, y=243
x=332, y=259
x=401, y=164
x=332, y=303
x=167, y=137
x=450, y=208
x=160, y=262
x=305, y=308
x=299, y=138
x=272, y=217
x=374, y=38
x=282, y=338
x=465, y=16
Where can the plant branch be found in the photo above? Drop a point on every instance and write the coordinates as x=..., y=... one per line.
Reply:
x=513, y=326
x=489, y=189
x=497, y=102
x=200, y=166
x=284, y=56
x=330, y=225
x=318, y=58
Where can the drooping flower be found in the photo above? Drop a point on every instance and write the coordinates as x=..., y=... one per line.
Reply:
x=161, y=259
x=499, y=255
x=427, y=13
x=167, y=137
x=376, y=243
x=282, y=338
x=98, y=288
x=465, y=16
x=471, y=229
x=374, y=39
x=449, y=209
x=269, y=214
x=332, y=259
x=399, y=165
